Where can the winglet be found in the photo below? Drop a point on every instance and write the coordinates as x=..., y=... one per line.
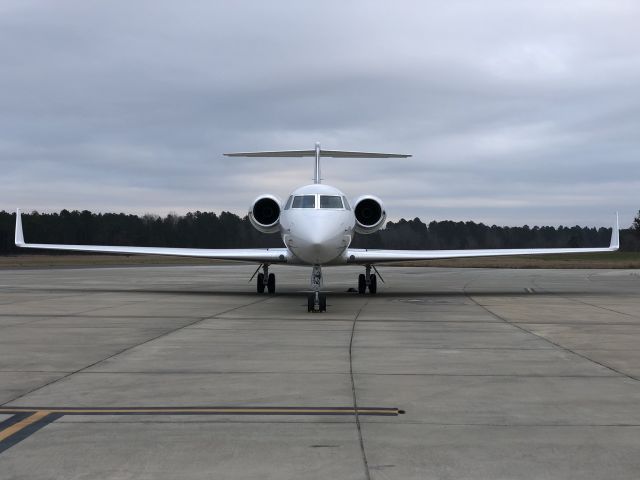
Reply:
x=615, y=236
x=19, y=240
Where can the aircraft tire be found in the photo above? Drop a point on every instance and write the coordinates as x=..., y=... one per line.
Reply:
x=323, y=302
x=373, y=287
x=271, y=283
x=260, y=283
x=362, y=284
x=310, y=302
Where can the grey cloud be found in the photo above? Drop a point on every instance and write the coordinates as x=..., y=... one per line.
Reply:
x=515, y=112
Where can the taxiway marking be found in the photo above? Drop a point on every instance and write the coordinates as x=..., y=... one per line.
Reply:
x=378, y=411
x=25, y=422
x=22, y=425
x=28, y=420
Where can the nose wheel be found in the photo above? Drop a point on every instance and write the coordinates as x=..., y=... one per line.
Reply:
x=367, y=280
x=317, y=302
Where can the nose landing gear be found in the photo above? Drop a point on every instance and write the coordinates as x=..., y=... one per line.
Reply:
x=316, y=300
x=368, y=280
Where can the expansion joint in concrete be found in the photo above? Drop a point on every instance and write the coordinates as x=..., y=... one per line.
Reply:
x=557, y=345
x=354, y=394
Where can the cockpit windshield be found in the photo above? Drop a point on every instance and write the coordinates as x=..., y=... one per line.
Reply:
x=330, y=201
x=304, y=201
x=289, y=202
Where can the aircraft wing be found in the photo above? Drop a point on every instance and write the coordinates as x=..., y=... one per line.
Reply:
x=253, y=255
x=364, y=256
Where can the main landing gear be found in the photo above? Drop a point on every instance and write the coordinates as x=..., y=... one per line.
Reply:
x=367, y=280
x=266, y=280
x=316, y=300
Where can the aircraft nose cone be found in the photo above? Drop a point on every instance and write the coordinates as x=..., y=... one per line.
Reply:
x=317, y=239
x=318, y=245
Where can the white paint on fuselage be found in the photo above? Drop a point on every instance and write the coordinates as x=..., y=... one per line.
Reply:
x=317, y=236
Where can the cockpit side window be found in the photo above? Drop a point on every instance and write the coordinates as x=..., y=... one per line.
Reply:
x=330, y=201
x=288, y=204
x=304, y=201
x=346, y=203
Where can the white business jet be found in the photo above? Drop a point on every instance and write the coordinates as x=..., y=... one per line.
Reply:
x=317, y=224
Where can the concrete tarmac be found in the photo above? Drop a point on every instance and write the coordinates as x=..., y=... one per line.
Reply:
x=501, y=374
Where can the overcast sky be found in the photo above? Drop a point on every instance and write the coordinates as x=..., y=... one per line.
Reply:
x=515, y=111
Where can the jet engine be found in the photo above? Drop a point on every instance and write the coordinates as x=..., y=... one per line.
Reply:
x=264, y=214
x=370, y=214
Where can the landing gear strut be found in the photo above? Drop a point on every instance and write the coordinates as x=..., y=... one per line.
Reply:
x=316, y=300
x=367, y=280
x=266, y=279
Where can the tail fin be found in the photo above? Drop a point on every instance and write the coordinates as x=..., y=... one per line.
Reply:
x=317, y=153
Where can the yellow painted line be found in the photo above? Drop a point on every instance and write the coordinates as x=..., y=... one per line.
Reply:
x=16, y=427
x=165, y=411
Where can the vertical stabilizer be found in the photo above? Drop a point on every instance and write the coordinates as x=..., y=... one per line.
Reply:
x=316, y=176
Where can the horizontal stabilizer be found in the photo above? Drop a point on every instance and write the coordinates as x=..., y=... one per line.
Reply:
x=312, y=153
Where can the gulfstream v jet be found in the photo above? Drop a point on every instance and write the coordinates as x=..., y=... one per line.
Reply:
x=317, y=224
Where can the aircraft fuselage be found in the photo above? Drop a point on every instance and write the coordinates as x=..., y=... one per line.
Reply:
x=317, y=224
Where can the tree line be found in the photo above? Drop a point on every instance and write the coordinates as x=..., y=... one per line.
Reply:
x=228, y=230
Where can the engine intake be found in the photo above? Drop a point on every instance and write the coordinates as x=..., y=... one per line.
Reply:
x=370, y=214
x=265, y=214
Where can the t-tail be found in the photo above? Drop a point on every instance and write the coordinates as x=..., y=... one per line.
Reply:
x=317, y=152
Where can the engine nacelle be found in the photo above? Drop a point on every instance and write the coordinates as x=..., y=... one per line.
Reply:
x=370, y=214
x=264, y=214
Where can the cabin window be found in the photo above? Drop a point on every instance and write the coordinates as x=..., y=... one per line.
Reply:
x=304, y=201
x=330, y=201
x=288, y=204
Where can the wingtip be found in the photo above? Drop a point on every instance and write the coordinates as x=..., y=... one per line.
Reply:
x=615, y=235
x=19, y=238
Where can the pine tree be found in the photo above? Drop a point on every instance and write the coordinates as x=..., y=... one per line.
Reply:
x=635, y=226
